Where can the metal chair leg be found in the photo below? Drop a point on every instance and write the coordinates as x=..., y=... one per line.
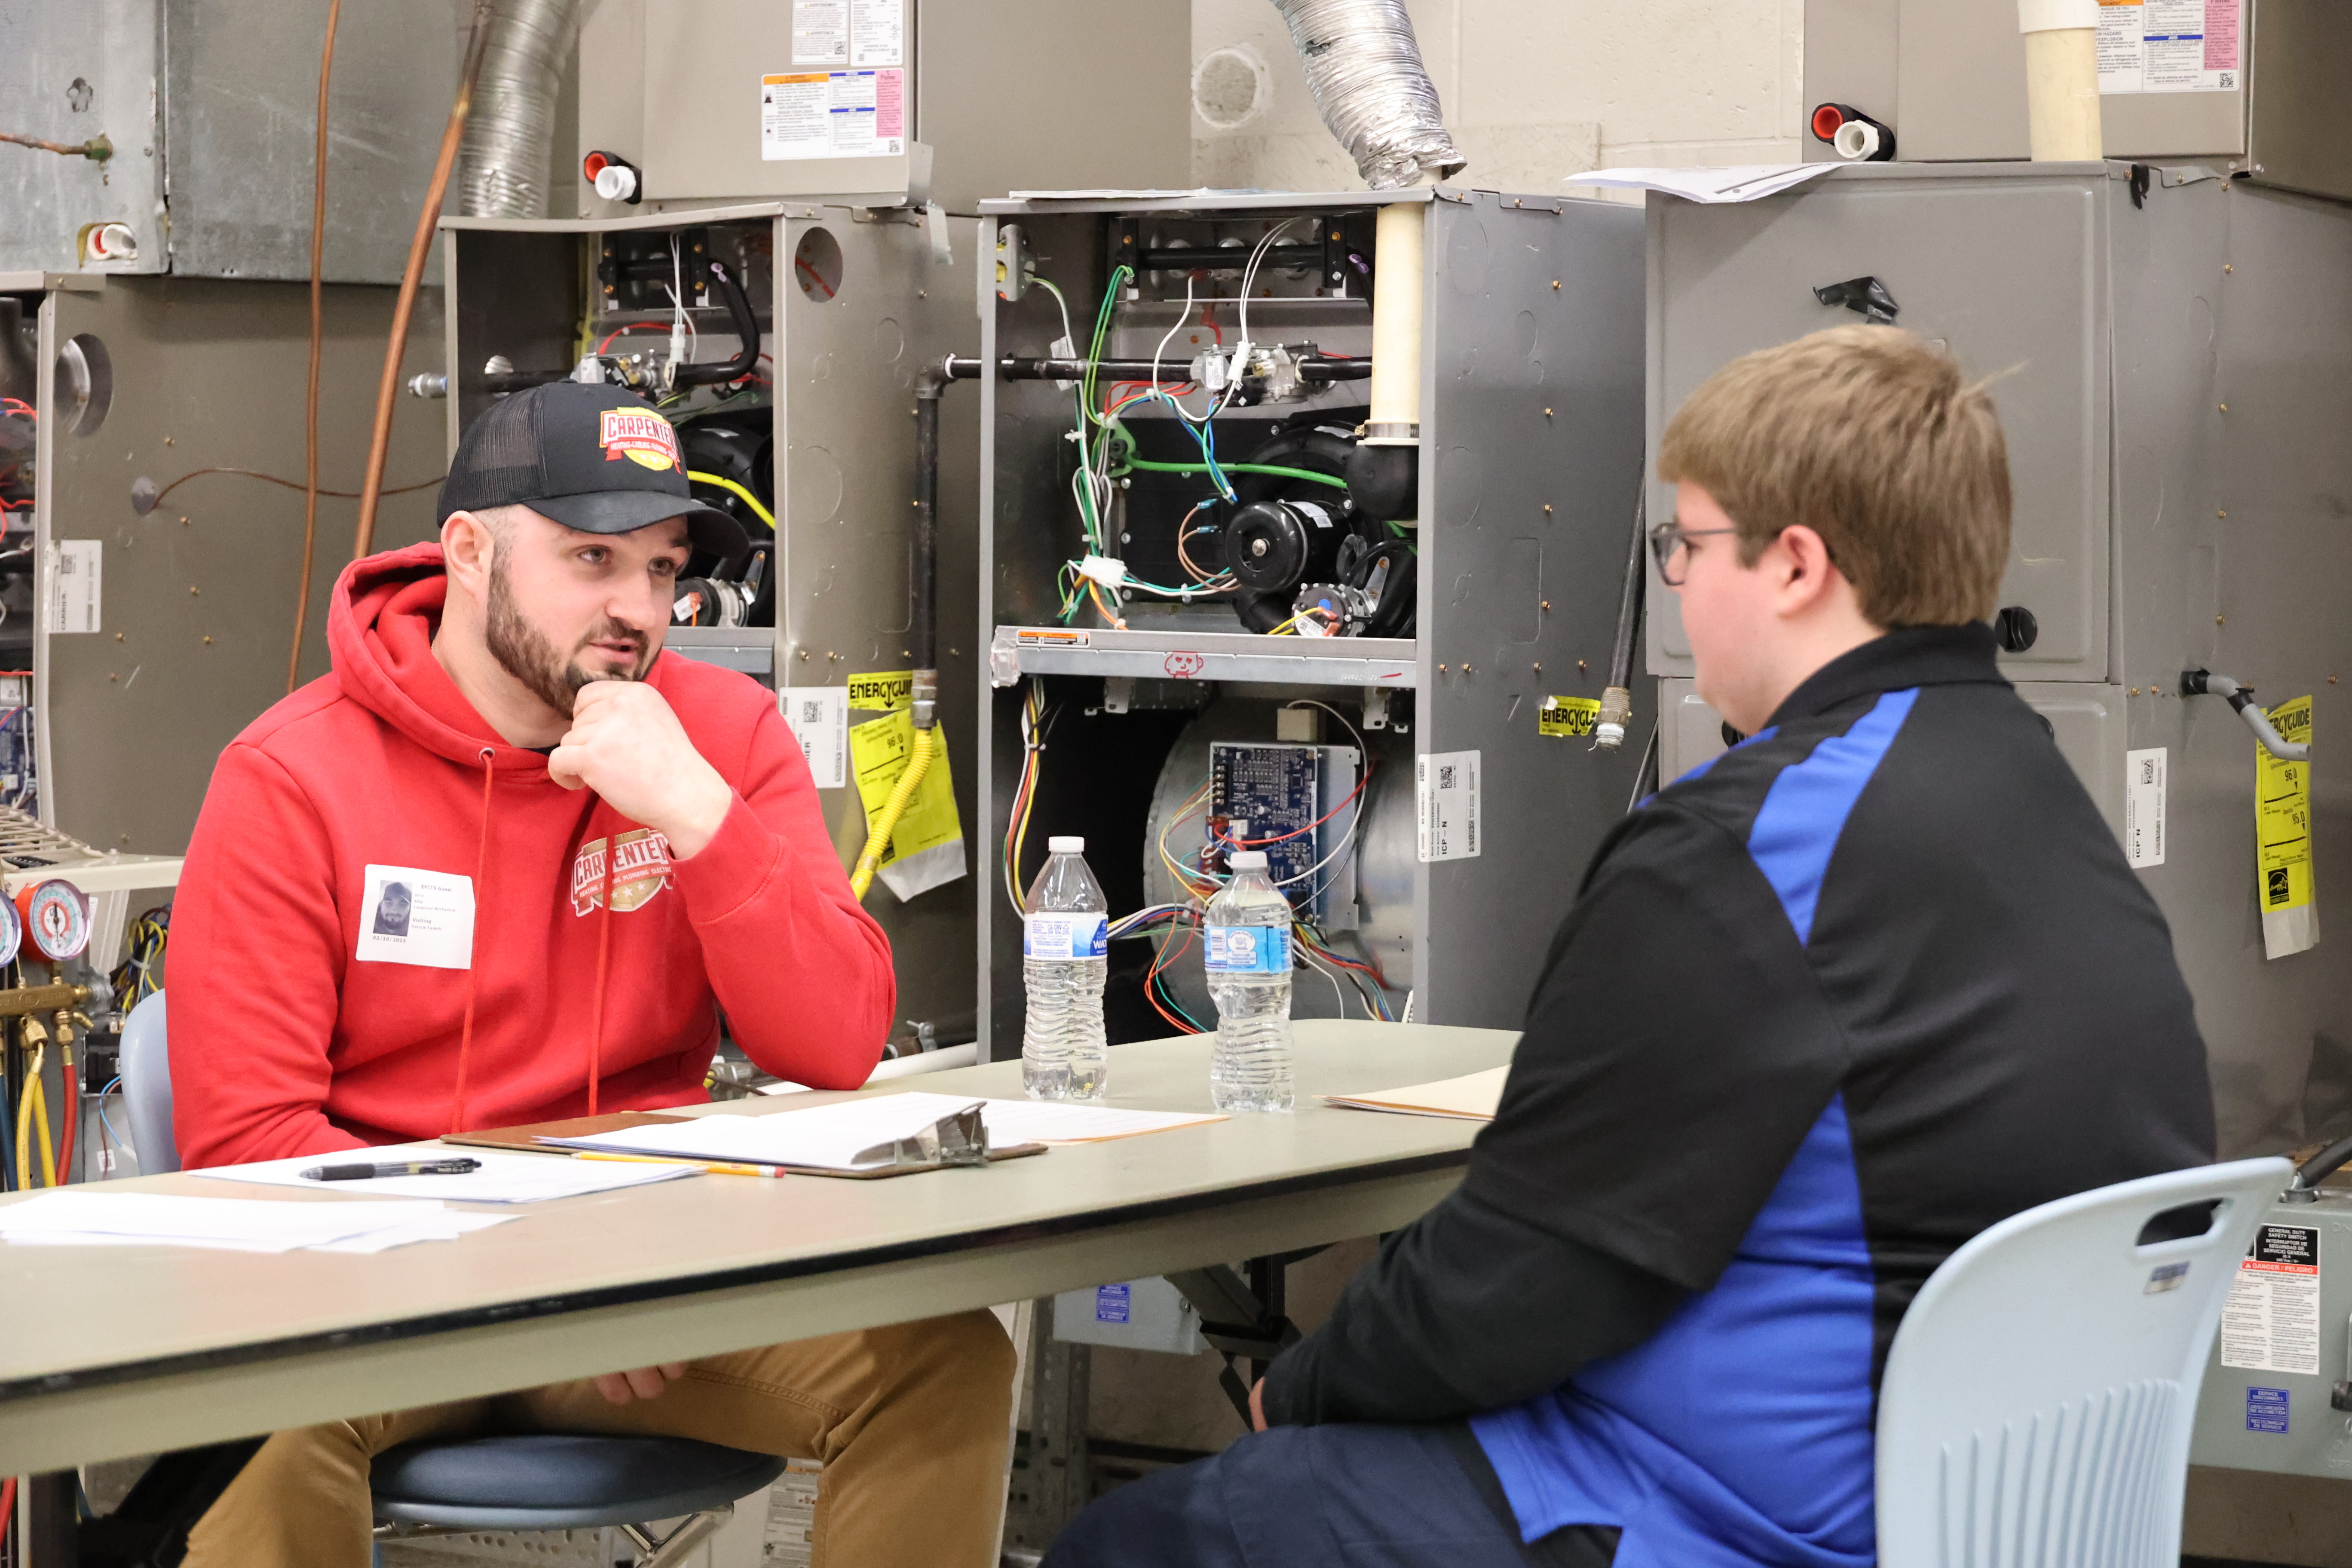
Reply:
x=672, y=1549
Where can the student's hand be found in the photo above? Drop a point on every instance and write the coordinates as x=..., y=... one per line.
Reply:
x=1257, y=1405
x=639, y=1382
x=627, y=745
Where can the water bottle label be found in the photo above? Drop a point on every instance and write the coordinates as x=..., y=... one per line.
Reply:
x=1063, y=936
x=1245, y=950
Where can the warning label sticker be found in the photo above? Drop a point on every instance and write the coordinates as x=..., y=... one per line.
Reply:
x=832, y=114
x=1567, y=716
x=2271, y=1321
x=2169, y=46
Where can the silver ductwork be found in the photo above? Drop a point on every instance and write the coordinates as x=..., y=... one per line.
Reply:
x=503, y=162
x=1364, y=66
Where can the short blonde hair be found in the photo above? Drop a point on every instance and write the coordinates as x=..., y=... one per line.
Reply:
x=1872, y=437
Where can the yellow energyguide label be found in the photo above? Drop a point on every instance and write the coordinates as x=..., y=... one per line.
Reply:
x=1567, y=716
x=877, y=755
x=2283, y=884
x=882, y=691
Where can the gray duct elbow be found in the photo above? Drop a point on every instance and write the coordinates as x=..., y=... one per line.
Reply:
x=509, y=132
x=1364, y=67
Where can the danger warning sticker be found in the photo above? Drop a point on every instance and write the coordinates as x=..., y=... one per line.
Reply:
x=2271, y=1321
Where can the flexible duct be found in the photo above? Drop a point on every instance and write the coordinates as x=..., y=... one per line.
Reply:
x=1365, y=69
x=510, y=134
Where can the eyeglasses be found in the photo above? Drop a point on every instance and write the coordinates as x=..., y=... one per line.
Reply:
x=1666, y=541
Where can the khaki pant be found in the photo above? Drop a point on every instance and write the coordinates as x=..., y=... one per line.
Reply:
x=911, y=1422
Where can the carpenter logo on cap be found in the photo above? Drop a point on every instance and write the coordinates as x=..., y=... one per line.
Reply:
x=640, y=435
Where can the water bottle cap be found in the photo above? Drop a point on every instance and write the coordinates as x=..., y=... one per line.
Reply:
x=1247, y=860
x=1066, y=845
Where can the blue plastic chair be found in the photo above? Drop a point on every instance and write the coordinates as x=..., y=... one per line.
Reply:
x=2036, y=1406
x=530, y=1481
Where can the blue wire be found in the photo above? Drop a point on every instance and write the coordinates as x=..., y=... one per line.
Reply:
x=115, y=1083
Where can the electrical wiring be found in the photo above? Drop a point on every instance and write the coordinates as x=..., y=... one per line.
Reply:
x=629, y=327
x=1333, y=481
x=286, y=484
x=1306, y=951
x=1036, y=723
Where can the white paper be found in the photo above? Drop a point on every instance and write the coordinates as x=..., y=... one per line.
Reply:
x=1739, y=182
x=74, y=584
x=924, y=869
x=167, y=1217
x=848, y=1135
x=855, y=1134
x=1473, y=1097
x=2144, y=807
x=408, y=915
x=505, y=1177
x=818, y=717
x=1445, y=785
x=1013, y=1121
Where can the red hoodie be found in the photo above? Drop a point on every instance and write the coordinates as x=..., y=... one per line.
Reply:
x=285, y=1041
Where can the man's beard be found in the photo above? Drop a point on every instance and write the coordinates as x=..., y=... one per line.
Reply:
x=528, y=655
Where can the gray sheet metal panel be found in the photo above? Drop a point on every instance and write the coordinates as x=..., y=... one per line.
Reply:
x=2257, y=594
x=2003, y=264
x=112, y=47
x=136, y=714
x=1530, y=398
x=2298, y=133
x=844, y=477
x=243, y=92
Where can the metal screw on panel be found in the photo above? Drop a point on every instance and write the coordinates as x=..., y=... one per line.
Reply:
x=1538, y=669
x=803, y=655
x=1547, y=603
x=118, y=636
x=111, y=676
x=923, y=294
x=208, y=642
x=184, y=522
x=1547, y=509
x=2225, y=408
x=2220, y=514
x=1465, y=669
x=1580, y=666
x=194, y=592
x=169, y=442
x=2221, y=620
x=1555, y=283
x=1441, y=669
x=1546, y=413
x=1258, y=547
x=2134, y=691
x=2227, y=267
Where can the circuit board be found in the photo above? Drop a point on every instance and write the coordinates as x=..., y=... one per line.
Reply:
x=1270, y=792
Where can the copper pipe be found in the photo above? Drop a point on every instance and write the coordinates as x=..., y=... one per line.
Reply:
x=97, y=149
x=380, y=444
x=318, y=332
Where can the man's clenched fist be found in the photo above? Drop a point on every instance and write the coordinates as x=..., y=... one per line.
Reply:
x=627, y=745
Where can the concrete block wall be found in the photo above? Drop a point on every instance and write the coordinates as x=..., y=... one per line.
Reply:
x=1534, y=91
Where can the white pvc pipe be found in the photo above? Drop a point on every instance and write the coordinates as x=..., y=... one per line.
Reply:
x=1395, y=419
x=2062, y=78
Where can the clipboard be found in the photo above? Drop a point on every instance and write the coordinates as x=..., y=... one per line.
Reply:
x=527, y=1138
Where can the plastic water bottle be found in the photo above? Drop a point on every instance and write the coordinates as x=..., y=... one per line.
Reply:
x=1245, y=941
x=1064, y=1054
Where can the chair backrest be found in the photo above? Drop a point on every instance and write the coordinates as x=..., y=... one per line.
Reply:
x=147, y=1088
x=2036, y=1406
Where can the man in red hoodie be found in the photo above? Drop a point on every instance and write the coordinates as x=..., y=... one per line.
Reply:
x=508, y=863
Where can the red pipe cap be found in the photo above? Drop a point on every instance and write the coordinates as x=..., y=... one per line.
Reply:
x=1826, y=121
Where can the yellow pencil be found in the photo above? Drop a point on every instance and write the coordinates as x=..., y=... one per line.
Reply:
x=715, y=1167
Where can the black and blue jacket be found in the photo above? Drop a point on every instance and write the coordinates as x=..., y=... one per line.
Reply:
x=1873, y=980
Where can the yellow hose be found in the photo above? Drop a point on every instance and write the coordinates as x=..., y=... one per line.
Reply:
x=32, y=1107
x=877, y=839
x=724, y=483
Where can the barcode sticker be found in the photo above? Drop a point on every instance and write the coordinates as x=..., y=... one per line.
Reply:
x=74, y=584
x=819, y=717
x=1446, y=791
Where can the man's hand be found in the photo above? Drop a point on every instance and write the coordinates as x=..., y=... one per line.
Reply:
x=640, y=1383
x=1257, y=1405
x=627, y=745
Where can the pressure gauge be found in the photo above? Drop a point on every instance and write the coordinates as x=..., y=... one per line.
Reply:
x=55, y=919
x=12, y=933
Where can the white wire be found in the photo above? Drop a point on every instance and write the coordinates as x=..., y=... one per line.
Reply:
x=1333, y=976
x=1064, y=306
x=1249, y=276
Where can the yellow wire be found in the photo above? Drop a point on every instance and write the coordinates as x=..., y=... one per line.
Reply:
x=1036, y=712
x=1109, y=614
x=918, y=762
x=749, y=499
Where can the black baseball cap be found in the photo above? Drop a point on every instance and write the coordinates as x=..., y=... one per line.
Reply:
x=598, y=458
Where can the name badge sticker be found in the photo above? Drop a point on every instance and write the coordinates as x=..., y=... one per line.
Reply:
x=412, y=916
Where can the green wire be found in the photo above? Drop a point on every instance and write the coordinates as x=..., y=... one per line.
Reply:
x=1237, y=468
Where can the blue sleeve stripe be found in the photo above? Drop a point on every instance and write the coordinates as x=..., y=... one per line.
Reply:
x=1797, y=828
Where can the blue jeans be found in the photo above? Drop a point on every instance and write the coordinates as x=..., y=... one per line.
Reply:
x=1324, y=1497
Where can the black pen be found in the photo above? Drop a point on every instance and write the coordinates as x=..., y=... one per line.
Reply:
x=399, y=1168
